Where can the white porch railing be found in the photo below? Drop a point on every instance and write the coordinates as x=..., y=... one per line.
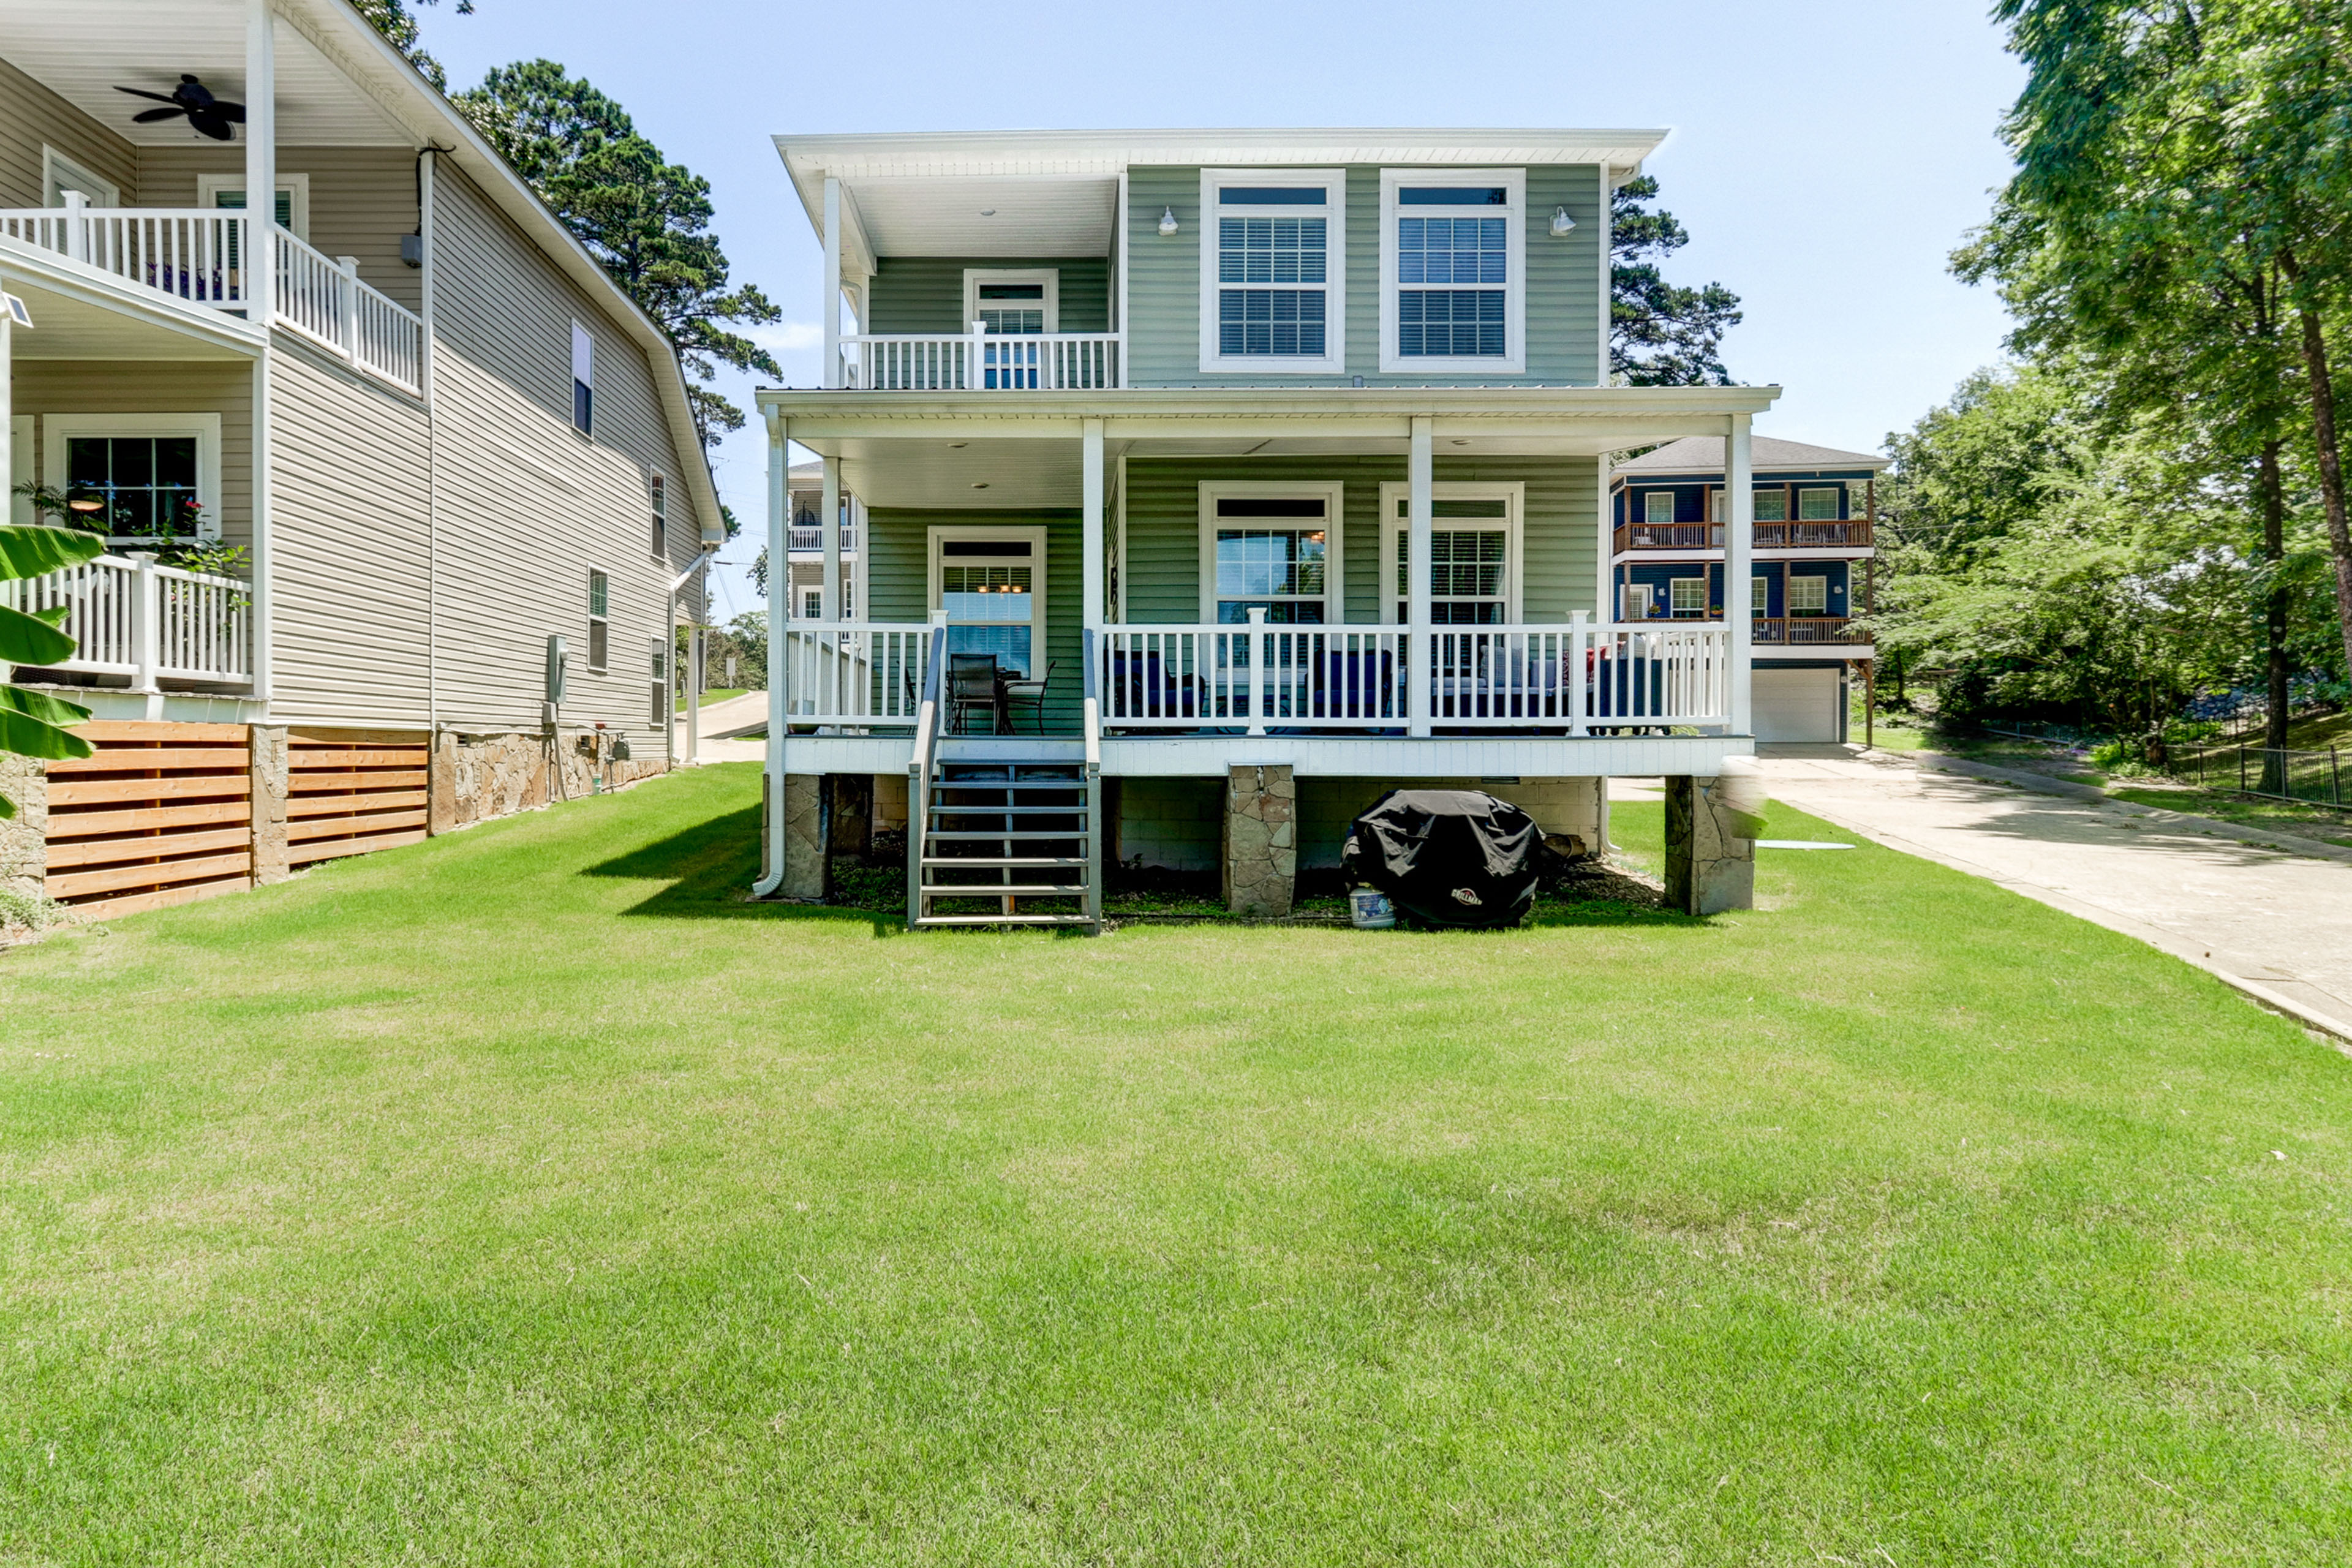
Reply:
x=1258, y=677
x=980, y=361
x=132, y=617
x=190, y=254
x=325, y=301
x=198, y=254
x=858, y=672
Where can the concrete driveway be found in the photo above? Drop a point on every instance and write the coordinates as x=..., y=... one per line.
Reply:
x=2275, y=923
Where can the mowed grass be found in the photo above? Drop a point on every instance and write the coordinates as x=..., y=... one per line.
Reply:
x=523, y=1197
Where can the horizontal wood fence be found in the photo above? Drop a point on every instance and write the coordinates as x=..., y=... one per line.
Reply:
x=352, y=791
x=159, y=814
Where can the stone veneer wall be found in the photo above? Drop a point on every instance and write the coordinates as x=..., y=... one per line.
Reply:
x=23, y=838
x=479, y=777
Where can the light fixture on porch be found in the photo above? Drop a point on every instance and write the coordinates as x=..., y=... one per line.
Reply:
x=1167, y=223
x=1563, y=225
x=85, y=503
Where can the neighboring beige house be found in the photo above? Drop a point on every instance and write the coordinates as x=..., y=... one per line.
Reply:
x=440, y=432
x=1210, y=483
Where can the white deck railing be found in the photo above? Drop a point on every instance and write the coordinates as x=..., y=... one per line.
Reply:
x=1258, y=677
x=132, y=617
x=858, y=672
x=198, y=254
x=980, y=361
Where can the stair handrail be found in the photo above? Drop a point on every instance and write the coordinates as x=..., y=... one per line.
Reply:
x=1090, y=710
x=918, y=767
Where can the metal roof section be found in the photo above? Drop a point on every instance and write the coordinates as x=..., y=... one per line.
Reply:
x=1704, y=455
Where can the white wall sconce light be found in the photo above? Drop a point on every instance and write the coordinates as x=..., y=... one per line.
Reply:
x=1563, y=225
x=1167, y=223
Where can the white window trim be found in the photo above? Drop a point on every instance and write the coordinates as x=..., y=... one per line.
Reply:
x=658, y=484
x=1675, y=613
x=1789, y=592
x=20, y=466
x=595, y=619
x=1335, y=522
x=1513, y=528
x=1051, y=277
x=943, y=533
x=298, y=186
x=1836, y=507
x=1514, y=360
x=54, y=164
x=1759, y=595
x=1628, y=594
x=1646, y=519
x=56, y=428
x=1333, y=361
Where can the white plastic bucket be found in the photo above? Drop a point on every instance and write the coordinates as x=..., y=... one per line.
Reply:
x=1369, y=909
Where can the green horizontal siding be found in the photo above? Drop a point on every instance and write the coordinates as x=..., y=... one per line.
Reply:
x=925, y=293
x=898, y=586
x=1563, y=293
x=1162, y=577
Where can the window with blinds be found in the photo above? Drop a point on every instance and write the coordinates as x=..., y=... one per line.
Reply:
x=992, y=589
x=1272, y=245
x=600, y=626
x=1471, y=554
x=1451, y=270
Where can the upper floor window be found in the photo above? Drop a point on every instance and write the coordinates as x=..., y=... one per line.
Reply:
x=599, y=623
x=657, y=499
x=1658, y=506
x=1273, y=269
x=1809, y=595
x=1453, y=271
x=1818, y=506
x=293, y=208
x=583, y=380
x=1772, y=505
x=60, y=173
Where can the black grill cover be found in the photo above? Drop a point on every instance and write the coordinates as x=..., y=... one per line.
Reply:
x=1447, y=857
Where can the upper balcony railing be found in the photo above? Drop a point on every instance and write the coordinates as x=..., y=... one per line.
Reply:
x=981, y=360
x=198, y=254
x=1851, y=534
x=1777, y=631
x=813, y=538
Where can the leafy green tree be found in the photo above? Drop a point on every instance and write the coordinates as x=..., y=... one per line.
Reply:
x=35, y=723
x=1660, y=333
x=2183, y=208
x=645, y=220
x=398, y=24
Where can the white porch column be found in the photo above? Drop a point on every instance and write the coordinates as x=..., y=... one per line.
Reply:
x=1090, y=525
x=1421, y=657
x=829, y=530
x=7, y=407
x=832, y=287
x=780, y=587
x=260, y=268
x=1739, y=555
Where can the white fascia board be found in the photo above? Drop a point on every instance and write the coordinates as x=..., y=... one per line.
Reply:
x=1321, y=756
x=365, y=55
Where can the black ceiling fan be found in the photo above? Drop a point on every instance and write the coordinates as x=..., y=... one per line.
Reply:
x=210, y=115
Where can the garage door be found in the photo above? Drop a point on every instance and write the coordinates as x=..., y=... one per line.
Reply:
x=1795, y=704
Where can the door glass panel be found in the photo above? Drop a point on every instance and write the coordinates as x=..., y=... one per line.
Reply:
x=990, y=609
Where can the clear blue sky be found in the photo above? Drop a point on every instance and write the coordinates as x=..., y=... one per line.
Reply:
x=1825, y=157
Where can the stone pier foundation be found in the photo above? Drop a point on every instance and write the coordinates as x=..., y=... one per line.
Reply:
x=1711, y=828
x=265, y=756
x=805, y=829
x=1260, y=840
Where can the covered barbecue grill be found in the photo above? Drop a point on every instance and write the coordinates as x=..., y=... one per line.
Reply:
x=1447, y=857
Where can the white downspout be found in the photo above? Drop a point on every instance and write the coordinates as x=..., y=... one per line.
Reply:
x=780, y=587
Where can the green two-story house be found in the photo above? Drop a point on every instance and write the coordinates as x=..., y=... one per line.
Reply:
x=1212, y=484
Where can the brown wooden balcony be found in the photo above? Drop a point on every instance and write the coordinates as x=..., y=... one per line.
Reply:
x=1854, y=534
x=1789, y=631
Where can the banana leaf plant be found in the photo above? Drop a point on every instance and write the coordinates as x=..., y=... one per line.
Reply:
x=35, y=723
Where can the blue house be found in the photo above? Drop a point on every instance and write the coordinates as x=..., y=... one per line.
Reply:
x=1814, y=510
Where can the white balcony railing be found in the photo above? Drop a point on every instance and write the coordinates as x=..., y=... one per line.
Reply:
x=198, y=254
x=981, y=360
x=130, y=617
x=1258, y=677
x=856, y=672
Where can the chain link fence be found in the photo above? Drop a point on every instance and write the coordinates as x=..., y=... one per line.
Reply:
x=2310, y=778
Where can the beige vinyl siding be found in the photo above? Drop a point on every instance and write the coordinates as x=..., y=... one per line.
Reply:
x=154, y=386
x=35, y=115
x=362, y=199
x=527, y=505
x=1164, y=284
x=1163, y=576
x=925, y=293
x=899, y=562
x=348, y=531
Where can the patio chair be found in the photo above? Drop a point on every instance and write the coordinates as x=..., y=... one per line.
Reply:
x=1033, y=693
x=972, y=685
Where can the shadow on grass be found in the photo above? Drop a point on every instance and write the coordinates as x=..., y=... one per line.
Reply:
x=710, y=869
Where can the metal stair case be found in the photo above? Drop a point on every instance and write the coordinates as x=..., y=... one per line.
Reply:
x=997, y=839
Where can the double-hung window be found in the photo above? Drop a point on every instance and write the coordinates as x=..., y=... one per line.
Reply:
x=657, y=499
x=1473, y=538
x=1818, y=505
x=600, y=626
x=1686, y=597
x=1809, y=595
x=1273, y=269
x=1772, y=503
x=1454, y=270
x=1270, y=547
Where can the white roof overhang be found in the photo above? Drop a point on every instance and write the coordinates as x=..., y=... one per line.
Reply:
x=81, y=312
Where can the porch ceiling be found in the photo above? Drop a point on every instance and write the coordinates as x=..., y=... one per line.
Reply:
x=78, y=319
x=1019, y=216
x=84, y=49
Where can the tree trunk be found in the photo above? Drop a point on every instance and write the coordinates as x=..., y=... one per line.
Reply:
x=2275, y=615
x=2331, y=467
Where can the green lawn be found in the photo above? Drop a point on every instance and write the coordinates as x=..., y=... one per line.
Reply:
x=522, y=1196
x=717, y=694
